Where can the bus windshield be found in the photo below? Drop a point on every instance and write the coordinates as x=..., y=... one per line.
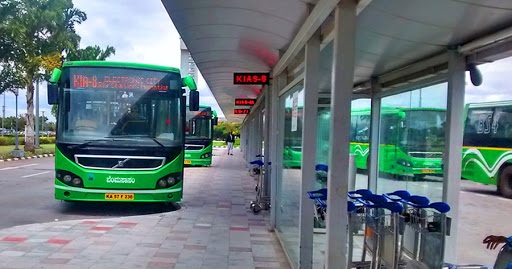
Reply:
x=94, y=114
x=198, y=125
x=423, y=131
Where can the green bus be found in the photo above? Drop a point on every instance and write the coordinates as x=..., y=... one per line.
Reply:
x=411, y=140
x=199, y=136
x=487, y=151
x=120, y=131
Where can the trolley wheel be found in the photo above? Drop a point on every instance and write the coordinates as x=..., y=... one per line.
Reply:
x=256, y=209
x=256, y=188
x=505, y=182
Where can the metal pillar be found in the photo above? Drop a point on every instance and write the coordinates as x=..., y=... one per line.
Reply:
x=453, y=146
x=373, y=159
x=341, y=97
x=36, y=141
x=309, y=135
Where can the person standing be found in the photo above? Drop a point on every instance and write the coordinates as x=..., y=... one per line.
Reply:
x=230, y=139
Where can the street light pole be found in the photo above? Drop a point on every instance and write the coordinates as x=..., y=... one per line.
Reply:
x=16, y=136
x=42, y=121
x=36, y=142
x=3, y=116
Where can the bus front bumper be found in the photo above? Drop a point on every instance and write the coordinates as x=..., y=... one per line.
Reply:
x=202, y=162
x=101, y=195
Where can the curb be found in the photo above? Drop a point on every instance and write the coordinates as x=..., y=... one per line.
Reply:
x=27, y=158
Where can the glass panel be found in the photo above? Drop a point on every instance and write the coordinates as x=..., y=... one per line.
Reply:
x=99, y=114
x=290, y=181
x=412, y=142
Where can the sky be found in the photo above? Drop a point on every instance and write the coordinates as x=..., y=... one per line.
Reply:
x=141, y=31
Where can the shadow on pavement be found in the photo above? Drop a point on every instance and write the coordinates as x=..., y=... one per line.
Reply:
x=115, y=209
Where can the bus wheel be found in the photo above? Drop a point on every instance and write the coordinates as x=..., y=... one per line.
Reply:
x=505, y=183
x=419, y=177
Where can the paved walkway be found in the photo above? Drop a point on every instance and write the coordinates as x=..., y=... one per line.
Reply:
x=213, y=229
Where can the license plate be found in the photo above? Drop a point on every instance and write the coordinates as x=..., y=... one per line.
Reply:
x=426, y=171
x=119, y=196
x=188, y=162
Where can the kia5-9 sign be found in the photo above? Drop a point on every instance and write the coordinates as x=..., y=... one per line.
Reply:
x=251, y=78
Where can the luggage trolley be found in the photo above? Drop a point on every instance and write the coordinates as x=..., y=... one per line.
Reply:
x=383, y=231
x=261, y=202
x=426, y=228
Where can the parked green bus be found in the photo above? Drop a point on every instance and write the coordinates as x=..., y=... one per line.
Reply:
x=120, y=131
x=487, y=151
x=411, y=140
x=199, y=136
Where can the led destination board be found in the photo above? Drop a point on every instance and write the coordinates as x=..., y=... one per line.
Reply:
x=123, y=79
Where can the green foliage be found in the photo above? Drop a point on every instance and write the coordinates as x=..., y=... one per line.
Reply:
x=91, y=53
x=221, y=130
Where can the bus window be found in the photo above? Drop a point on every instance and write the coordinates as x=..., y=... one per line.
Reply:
x=363, y=129
x=478, y=127
x=502, y=127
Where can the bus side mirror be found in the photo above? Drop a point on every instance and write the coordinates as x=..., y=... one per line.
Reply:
x=53, y=94
x=193, y=101
x=215, y=121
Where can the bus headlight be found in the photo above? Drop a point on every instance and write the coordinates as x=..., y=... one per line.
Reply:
x=403, y=162
x=168, y=181
x=204, y=156
x=69, y=178
x=161, y=183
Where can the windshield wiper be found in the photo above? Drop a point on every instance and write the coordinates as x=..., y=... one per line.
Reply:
x=158, y=142
x=87, y=142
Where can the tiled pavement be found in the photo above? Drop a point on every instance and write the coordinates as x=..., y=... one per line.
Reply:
x=213, y=229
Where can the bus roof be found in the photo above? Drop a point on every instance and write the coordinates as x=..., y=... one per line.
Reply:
x=392, y=110
x=120, y=64
x=491, y=104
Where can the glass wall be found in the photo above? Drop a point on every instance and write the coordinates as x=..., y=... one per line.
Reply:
x=412, y=142
x=288, y=189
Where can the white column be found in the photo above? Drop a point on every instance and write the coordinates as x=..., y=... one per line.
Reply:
x=373, y=171
x=309, y=134
x=341, y=97
x=453, y=146
x=280, y=82
x=268, y=137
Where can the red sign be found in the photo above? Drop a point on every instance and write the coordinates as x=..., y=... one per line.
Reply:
x=121, y=82
x=251, y=78
x=242, y=111
x=245, y=102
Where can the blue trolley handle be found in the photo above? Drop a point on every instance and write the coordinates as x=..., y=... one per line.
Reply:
x=402, y=195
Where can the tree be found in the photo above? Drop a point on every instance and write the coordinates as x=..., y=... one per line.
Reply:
x=91, y=53
x=40, y=28
x=86, y=54
x=221, y=130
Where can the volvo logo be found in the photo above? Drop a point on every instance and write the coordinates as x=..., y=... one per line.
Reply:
x=121, y=163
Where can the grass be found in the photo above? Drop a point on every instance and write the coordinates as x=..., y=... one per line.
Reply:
x=44, y=149
x=223, y=143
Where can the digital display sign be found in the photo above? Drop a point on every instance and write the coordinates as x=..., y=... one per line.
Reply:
x=251, y=78
x=244, y=102
x=242, y=111
x=202, y=113
x=122, y=79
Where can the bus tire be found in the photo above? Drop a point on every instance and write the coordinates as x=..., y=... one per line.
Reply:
x=505, y=182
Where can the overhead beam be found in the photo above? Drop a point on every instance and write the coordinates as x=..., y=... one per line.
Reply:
x=309, y=27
